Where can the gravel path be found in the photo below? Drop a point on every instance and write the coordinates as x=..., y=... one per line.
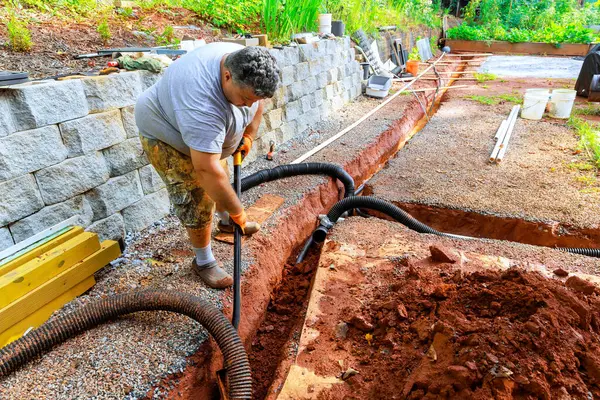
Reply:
x=446, y=164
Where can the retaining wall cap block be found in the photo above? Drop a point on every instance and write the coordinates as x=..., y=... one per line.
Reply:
x=111, y=228
x=279, y=57
x=52, y=215
x=128, y=118
x=112, y=91
x=71, y=177
x=307, y=51
x=19, y=198
x=302, y=71
x=34, y=106
x=30, y=151
x=114, y=195
x=148, y=78
x=151, y=181
x=291, y=54
x=125, y=157
x=6, y=239
x=93, y=132
x=7, y=125
x=287, y=75
x=146, y=211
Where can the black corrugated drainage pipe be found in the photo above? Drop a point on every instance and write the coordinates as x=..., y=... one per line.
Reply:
x=57, y=331
x=404, y=218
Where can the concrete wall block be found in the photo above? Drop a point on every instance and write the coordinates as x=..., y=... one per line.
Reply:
x=293, y=109
x=34, y=106
x=317, y=98
x=144, y=212
x=267, y=105
x=325, y=110
x=279, y=97
x=305, y=101
x=295, y=91
x=337, y=102
x=30, y=151
x=71, y=177
x=128, y=118
x=7, y=124
x=287, y=75
x=302, y=71
x=338, y=87
x=353, y=92
x=279, y=57
x=331, y=47
x=19, y=198
x=6, y=239
x=336, y=59
x=301, y=124
x=125, y=157
x=313, y=117
x=114, y=195
x=341, y=72
x=288, y=131
x=346, y=96
x=329, y=92
x=348, y=82
x=310, y=85
x=321, y=80
x=307, y=52
x=326, y=64
x=111, y=228
x=315, y=67
x=274, y=118
x=349, y=69
x=112, y=91
x=52, y=215
x=151, y=181
x=93, y=132
x=332, y=75
x=148, y=78
x=291, y=55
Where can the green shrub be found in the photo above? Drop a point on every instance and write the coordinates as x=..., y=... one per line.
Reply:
x=104, y=30
x=19, y=37
x=282, y=18
x=167, y=37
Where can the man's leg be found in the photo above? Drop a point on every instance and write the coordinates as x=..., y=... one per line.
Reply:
x=205, y=264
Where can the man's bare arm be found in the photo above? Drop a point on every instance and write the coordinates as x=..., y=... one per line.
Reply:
x=213, y=178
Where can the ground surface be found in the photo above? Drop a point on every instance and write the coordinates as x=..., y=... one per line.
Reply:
x=447, y=164
x=532, y=67
x=495, y=322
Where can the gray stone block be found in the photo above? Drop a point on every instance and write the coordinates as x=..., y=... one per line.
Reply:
x=19, y=198
x=353, y=92
x=279, y=97
x=337, y=103
x=288, y=131
x=332, y=75
x=295, y=91
x=29, y=151
x=338, y=87
x=315, y=67
x=331, y=48
x=151, y=181
x=341, y=73
x=293, y=109
x=34, y=106
x=267, y=105
x=125, y=157
x=291, y=55
x=287, y=75
x=348, y=82
x=306, y=52
x=7, y=125
x=346, y=95
x=325, y=110
x=112, y=91
x=52, y=215
x=349, y=69
x=302, y=71
x=279, y=57
x=305, y=101
x=310, y=85
x=329, y=92
x=114, y=195
x=148, y=78
x=274, y=118
x=146, y=211
x=6, y=239
x=71, y=177
x=317, y=98
x=321, y=80
x=111, y=228
x=128, y=118
x=93, y=132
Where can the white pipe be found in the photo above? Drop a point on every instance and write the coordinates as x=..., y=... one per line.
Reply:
x=509, y=132
x=363, y=118
x=500, y=133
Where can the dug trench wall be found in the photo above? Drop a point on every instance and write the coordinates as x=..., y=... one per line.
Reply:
x=71, y=148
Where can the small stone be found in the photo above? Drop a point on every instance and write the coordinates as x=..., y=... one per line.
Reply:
x=561, y=273
x=360, y=323
x=341, y=330
x=580, y=285
x=402, y=312
x=492, y=358
x=532, y=327
x=269, y=328
x=348, y=373
x=443, y=254
x=471, y=365
x=431, y=353
x=310, y=347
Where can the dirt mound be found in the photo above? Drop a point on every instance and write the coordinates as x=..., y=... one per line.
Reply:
x=438, y=333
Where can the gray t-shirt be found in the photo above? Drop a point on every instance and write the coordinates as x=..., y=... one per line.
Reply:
x=187, y=109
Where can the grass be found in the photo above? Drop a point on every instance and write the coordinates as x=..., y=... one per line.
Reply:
x=104, y=30
x=589, y=138
x=167, y=37
x=484, y=77
x=19, y=37
x=494, y=100
x=281, y=19
x=589, y=109
x=581, y=166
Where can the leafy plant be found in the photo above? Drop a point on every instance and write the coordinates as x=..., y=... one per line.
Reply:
x=19, y=37
x=589, y=109
x=484, y=77
x=167, y=37
x=414, y=54
x=104, y=30
x=589, y=138
x=282, y=18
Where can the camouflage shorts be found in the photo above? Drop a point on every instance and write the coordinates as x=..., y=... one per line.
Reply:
x=190, y=202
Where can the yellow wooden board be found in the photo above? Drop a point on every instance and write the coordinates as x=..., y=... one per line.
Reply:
x=258, y=212
x=42, y=295
x=44, y=248
x=36, y=272
x=40, y=316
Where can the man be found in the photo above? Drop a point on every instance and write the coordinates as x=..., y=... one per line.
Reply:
x=206, y=107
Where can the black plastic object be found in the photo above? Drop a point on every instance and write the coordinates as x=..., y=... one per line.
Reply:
x=338, y=28
x=594, y=94
x=287, y=171
x=590, y=67
x=237, y=254
x=12, y=78
x=52, y=333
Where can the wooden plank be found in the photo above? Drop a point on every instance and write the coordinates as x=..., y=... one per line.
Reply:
x=259, y=212
x=36, y=272
x=38, y=236
x=40, y=316
x=494, y=46
x=38, y=249
x=39, y=297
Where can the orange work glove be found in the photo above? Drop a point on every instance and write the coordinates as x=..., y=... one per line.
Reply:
x=240, y=219
x=245, y=146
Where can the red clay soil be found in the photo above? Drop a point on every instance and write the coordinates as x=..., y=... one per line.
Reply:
x=438, y=332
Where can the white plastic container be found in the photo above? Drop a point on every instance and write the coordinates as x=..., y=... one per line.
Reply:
x=323, y=29
x=325, y=19
x=378, y=86
x=561, y=103
x=534, y=103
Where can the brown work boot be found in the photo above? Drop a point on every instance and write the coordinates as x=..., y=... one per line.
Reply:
x=213, y=275
x=251, y=228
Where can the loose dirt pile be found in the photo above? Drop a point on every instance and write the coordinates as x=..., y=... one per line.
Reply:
x=428, y=331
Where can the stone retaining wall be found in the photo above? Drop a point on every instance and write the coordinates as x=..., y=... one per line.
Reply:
x=72, y=148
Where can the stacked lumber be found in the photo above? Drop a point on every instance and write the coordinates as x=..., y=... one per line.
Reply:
x=36, y=282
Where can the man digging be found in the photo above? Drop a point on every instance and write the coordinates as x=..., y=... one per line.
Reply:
x=206, y=107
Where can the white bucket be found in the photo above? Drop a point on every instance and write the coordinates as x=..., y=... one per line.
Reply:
x=323, y=29
x=561, y=103
x=534, y=104
x=325, y=19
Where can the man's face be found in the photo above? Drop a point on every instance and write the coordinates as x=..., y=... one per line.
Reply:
x=238, y=95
